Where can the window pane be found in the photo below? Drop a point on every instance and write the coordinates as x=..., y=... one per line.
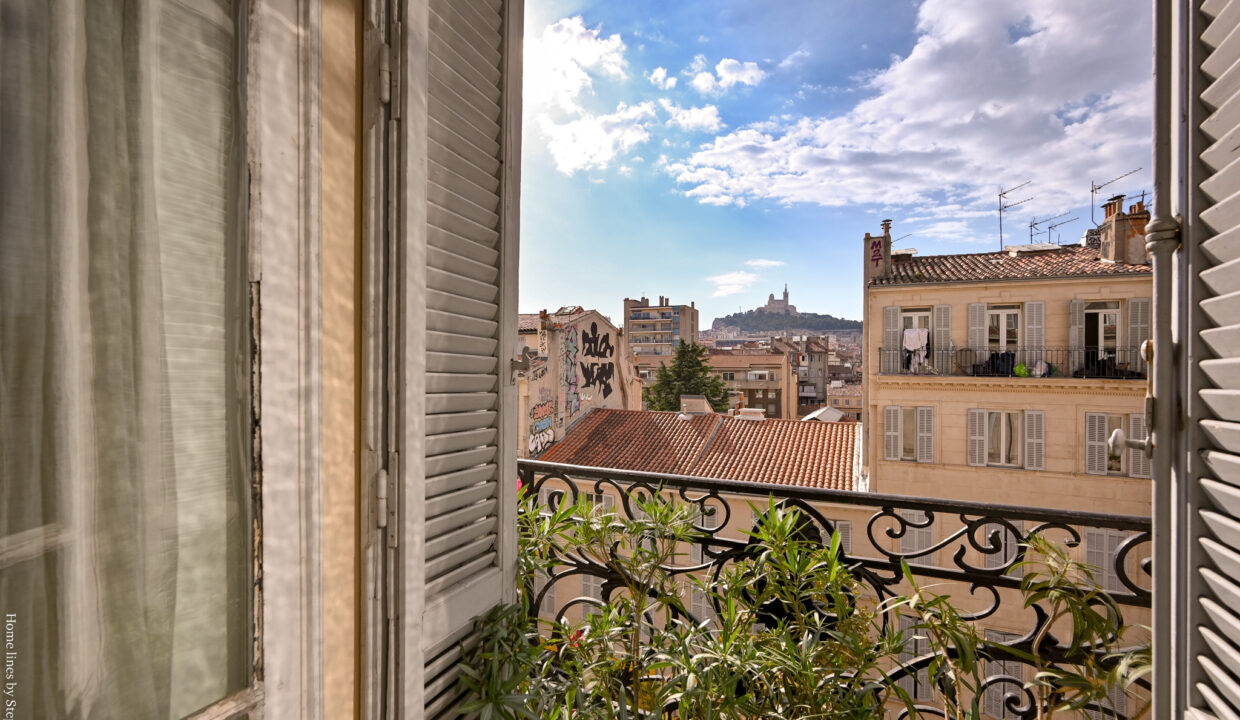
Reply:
x=909, y=430
x=124, y=493
x=994, y=438
x=1012, y=436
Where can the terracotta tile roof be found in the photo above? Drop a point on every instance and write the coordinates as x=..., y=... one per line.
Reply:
x=527, y=323
x=1066, y=261
x=782, y=452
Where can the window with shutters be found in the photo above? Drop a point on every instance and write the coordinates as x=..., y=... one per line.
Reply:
x=592, y=586
x=992, y=700
x=1100, y=338
x=844, y=528
x=908, y=433
x=1098, y=458
x=1004, y=437
x=729, y=376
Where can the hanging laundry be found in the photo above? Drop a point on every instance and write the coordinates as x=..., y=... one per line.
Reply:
x=916, y=341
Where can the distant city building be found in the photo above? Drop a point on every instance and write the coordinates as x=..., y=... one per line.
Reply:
x=656, y=330
x=779, y=307
x=759, y=379
x=999, y=376
x=845, y=398
x=581, y=362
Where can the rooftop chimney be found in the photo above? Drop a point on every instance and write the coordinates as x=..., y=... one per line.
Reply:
x=877, y=253
x=1123, y=234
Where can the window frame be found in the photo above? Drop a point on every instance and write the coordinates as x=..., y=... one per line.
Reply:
x=1004, y=427
x=1004, y=311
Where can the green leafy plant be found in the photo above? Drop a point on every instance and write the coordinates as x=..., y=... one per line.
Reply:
x=688, y=374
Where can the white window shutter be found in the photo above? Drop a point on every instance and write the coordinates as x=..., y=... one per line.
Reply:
x=1035, y=333
x=977, y=329
x=925, y=434
x=892, y=437
x=1076, y=334
x=977, y=437
x=1138, y=463
x=892, y=349
x=1035, y=440
x=1096, y=443
x=1207, y=470
x=844, y=528
x=460, y=163
x=942, y=322
x=1138, y=332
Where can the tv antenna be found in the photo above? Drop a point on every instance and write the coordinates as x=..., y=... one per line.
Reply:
x=893, y=242
x=1095, y=187
x=1049, y=228
x=1033, y=225
x=1004, y=205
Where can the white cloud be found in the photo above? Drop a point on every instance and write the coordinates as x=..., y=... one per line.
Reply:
x=993, y=92
x=794, y=59
x=732, y=283
x=560, y=61
x=658, y=77
x=728, y=72
x=593, y=141
x=705, y=118
x=763, y=263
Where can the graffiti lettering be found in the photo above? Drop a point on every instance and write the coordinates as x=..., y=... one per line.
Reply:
x=540, y=441
x=876, y=252
x=539, y=371
x=592, y=345
x=540, y=425
x=572, y=401
x=599, y=375
x=541, y=410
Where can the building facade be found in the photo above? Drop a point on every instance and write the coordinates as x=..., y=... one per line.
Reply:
x=656, y=330
x=998, y=377
x=579, y=361
x=845, y=398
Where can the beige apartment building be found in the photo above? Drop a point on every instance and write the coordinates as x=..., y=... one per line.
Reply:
x=656, y=330
x=999, y=376
x=845, y=398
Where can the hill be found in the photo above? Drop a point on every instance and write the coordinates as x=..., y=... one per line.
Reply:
x=762, y=321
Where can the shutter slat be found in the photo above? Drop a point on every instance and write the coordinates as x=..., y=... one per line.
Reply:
x=457, y=344
x=441, y=524
x=1226, y=529
x=438, y=362
x=1223, y=279
x=460, y=265
x=1224, y=151
x=1224, y=435
x=446, y=322
x=1226, y=496
x=925, y=434
x=459, y=402
x=444, y=582
x=460, y=421
x=457, y=441
x=1226, y=467
x=1224, y=372
x=890, y=361
x=478, y=105
x=977, y=437
x=453, y=461
x=459, y=145
x=1223, y=341
x=1226, y=559
x=444, y=484
x=1216, y=703
x=1217, y=309
x=469, y=21
x=1035, y=440
x=942, y=321
x=459, y=556
x=1224, y=682
x=469, y=65
x=449, y=200
x=892, y=417
x=466, y=533
x=458, y=31
x=468, y=188
x=478, y=58
x=1222, y=120
x=453, y=501
x=460, y=382
x=449, y=282
x=460, y=305
x=459, y=225
x=1226, y=590
x=1224, y=246
x=977, y=327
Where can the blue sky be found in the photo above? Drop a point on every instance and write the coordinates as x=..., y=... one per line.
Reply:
x=714, y=151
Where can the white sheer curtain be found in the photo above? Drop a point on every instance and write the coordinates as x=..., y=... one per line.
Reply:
x=124, y=550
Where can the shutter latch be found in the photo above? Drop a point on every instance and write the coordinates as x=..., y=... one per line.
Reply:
x=1119, y=440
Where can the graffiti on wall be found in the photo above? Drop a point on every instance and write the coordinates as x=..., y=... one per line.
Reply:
x=600, y=372
x=541, y=434
x=572, y=399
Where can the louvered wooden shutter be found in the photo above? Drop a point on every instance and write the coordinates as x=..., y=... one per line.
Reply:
x=892, y=438
x=1076, y=334
x=1138, y=332
x=1208, y=531
x=1096, y=443
x=462, y=189
x=844, y=528
x=977, y=329
x=942, y=321
x=925, y=434
x=1035, y=440
x=1138, y=463
x=892, y=349
x=977, y=437
x=1035, y=333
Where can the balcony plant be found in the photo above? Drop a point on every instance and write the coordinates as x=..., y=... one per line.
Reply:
x=792, y=634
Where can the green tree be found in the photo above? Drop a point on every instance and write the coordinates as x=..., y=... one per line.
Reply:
x=688, y=375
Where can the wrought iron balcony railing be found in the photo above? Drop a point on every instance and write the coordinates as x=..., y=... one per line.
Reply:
x=970, y=550
x=1121, y=363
